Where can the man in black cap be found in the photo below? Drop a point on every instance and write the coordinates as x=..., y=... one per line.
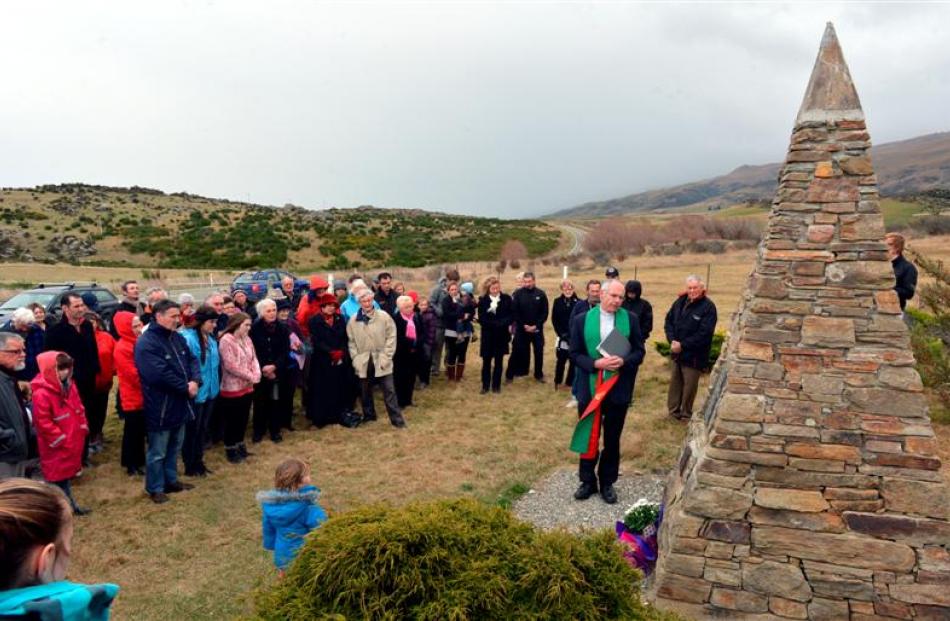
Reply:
x=612, y=273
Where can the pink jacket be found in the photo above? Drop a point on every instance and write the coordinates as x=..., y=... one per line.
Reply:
x=239, y=367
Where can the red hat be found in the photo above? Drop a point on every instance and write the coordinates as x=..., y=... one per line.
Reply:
x=414, y=295
x=318, y=283
x=327, y=299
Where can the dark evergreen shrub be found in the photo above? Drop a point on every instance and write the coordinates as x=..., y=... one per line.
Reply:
x=452, y=560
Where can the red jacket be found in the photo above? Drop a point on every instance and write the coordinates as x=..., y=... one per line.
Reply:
x=60, y=422
x=106, y=345
x=308, y=306
x=130, y=387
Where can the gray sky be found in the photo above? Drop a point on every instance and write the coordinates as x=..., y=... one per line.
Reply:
x=498, y=109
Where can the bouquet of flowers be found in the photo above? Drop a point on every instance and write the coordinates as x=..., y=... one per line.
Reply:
x=638, y=534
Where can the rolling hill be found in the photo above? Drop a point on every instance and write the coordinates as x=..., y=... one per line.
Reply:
x=903, y=167
x=142, y=227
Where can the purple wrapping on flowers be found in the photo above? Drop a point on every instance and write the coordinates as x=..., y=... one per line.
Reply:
x=640, y=548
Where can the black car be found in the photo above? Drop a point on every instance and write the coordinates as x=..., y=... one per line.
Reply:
x=49, y=295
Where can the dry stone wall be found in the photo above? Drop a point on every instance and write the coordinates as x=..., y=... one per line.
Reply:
x=809, y=486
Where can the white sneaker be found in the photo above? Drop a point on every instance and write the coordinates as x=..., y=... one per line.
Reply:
x=571, y=404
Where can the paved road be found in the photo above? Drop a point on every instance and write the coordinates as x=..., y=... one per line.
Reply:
x=578, y=234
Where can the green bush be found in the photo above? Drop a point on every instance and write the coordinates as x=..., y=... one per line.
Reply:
x=452, y=560
x=663, y=347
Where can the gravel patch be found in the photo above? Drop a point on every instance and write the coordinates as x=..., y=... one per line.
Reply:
x=550, y=503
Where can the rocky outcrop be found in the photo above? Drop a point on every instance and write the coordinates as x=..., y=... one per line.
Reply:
x=809, y=485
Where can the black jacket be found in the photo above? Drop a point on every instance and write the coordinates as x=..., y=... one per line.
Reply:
x=622, y=392
x=561, y=314
x=906, y=275
x=326, y=338
x=580, y=308
x=530, y=307
x=272, y=345
x=406, y=349
x=387, y=302
x=693, y=325
x=639, y=307
x=81, y=347
x=14, y=424
x=495, y=326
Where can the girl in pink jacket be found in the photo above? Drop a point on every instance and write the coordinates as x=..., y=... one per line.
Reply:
x=60, y=422
x=239, y=372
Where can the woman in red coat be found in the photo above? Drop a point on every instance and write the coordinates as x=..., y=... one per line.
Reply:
x=60, y=422
x=128, y=326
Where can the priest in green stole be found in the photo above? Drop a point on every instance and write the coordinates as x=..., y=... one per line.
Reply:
x=605, y=390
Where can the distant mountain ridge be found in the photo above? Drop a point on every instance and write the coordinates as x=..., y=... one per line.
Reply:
x=903, y=167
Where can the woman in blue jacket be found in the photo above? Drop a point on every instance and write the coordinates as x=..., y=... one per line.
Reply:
x=290, y=511
x=204, y=347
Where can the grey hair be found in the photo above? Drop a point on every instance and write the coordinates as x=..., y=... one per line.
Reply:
x=606, y=283
x=186, y=298
x=695, y=279
x=366, y=292
x=23, y=316
x=153, y=290
x=357, y=284
x=264, y=304
x=403, y=299
x=6, y=337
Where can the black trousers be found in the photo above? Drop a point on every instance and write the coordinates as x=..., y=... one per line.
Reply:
x=563, y=359
x=521, y=347
x=611, y=426
x=404, y=378
x=193, y=448
x=455, y=350
x=271, y=414
x=133, y=440
x=491, y=371
x=235, y=411
x=96, y=413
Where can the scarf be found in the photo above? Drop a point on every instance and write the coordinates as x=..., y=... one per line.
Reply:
x=586, y=436
x=410, y=326
x=493, y=302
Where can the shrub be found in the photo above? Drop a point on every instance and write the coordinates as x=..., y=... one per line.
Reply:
x=455, y=559
x=931, y=225
x=930, y=334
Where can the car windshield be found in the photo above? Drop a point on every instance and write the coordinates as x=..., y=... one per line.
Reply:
x=245, y=278
x=43, y=298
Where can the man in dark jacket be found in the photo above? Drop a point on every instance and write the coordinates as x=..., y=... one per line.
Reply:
x=634, y=302
x=561, y=320
x=593, y=299
x=170, y=377
x=904, y=271
x=385, y=296
x=14, y=423
x=436, y=300
x=588, y=330
x=690, y=324
x=530, y=312
x=75, y=336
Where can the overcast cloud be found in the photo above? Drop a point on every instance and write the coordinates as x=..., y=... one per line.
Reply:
x=501, y=109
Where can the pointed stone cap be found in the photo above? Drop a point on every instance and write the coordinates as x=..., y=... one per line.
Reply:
x=830, y=95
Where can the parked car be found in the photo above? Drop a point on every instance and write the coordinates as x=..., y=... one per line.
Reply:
x=256, y=284
x=48, y=295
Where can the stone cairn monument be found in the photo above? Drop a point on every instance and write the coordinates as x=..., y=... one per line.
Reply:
x=809, y=487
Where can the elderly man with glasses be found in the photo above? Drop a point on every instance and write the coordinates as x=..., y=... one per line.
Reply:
x=14, y=420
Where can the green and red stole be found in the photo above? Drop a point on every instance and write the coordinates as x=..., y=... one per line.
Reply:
x=586, y=438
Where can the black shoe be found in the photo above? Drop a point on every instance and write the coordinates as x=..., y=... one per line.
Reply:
x=204, y=470
x=234, y=456
x=140, y=471
x=496, y=390
x=609, y=495
x=585, y=490
x=350, y=420
x=484, y=390
x=398, y=421
x=369, y=418
x=77, y=510
x=256, y=439
x=243, y=453
x=177, y=486
x=277, y=438
x=541, y=380
x=159, y=498
x=131, y=472
x=509, y=380
x=192, y=473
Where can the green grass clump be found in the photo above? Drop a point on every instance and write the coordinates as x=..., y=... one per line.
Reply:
x=452, y=560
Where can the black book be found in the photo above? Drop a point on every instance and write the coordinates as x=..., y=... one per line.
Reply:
x=616, y=344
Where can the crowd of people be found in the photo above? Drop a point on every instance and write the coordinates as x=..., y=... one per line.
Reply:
x=189, y=376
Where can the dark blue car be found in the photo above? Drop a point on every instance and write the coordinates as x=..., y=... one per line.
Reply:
x=256, y=284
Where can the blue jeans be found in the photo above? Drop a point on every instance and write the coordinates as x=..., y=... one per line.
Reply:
x=162, y=458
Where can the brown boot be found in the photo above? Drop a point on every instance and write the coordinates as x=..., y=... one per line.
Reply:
x=459, y=372
x=450, y=372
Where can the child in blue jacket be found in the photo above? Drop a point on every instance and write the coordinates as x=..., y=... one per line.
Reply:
x=290, y=511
